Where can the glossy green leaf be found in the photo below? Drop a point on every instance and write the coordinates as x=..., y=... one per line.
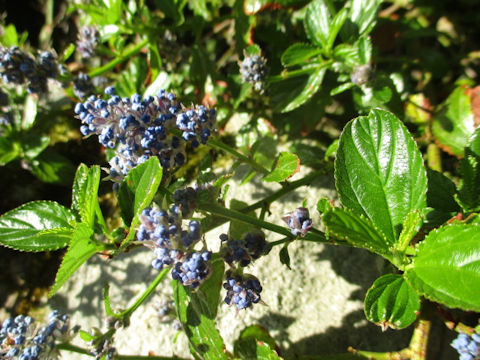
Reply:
x=51, y=167
x=298, y=54
x=454, y=124
x=287, y=165
x=85, y=193
x=68, y=52
x=36, y=226
x=379, y=171
x=264, y=352
x=364, y=45
x=317, y=23
x=391, y=302
x=446, y=267
x=356, y=230
x=138, y=188
x=335, y=26
x=81, y=248
x=196, y=310
x=362, y=18
x=341, y=88
x=469, y=191
x=307, y=88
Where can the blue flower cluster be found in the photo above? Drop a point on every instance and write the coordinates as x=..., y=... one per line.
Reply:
x=162, y=231
x=143, y=128
x=253, y=70
x=242, y=290
x=18, y=67
x=468, y=347
x=21, y=339
x=244, y=250
x=298, y=221
x=88, y=39
x=186, y=200
x=82, y=85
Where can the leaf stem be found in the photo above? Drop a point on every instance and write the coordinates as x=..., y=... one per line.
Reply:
x=305, y=70
x=121, y=58
x=220, y=145
x=127, y=313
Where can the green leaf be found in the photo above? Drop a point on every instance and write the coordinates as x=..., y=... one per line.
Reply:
x=317, y=23
x=196, y=310
x=9, y=36
x=441, y=192
x=29, y=112
x=335, y=26
x=379, y=171
x=364, y=45
x=362, y=18
x=36, y=226
x=391, y=302
x=33, y=144
x=249, y=340
x=51, y=167
x=81, y=248
x=85, y=193
x=305, y=88
x=298, y=54
x=469, y=191
x=287, y=165
x=446, y=268
x=67, y=53
x=252, y=7
x=341, y=88
x=264, y=352
x=9, y=150
x=138, y=188
x=356, y=230
x=285, y=256
x=454, y=124
x=410, y=227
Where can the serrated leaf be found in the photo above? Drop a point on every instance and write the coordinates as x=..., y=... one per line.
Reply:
x=138, y=188
x=335, y=26
x=317, y=23
x=197, y=310
x=391, y=302
x=81, y=248
x=36, y=226
x=410, y=227
x=356, y=230
x=287, y=165
x=446, y=267
x=85, y=193
x=469, y=191
x=298, y=54
x=454, y=125
x=379, y=171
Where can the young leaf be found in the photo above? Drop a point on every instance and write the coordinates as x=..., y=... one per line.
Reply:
x=379, y=171
x=335, y=26
x=317, y=23
x=287, y=165
x=81, y=248
x=298, y=54
x=446, y=268
x=249, y=340
x=455, y=123
x=469, y=192
x=391, y=302
x=197, y=310
x=356, y=230
x=36, y=226
x=85, y=193
x=308, y=89
x=410, y=226
x=138, y=188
